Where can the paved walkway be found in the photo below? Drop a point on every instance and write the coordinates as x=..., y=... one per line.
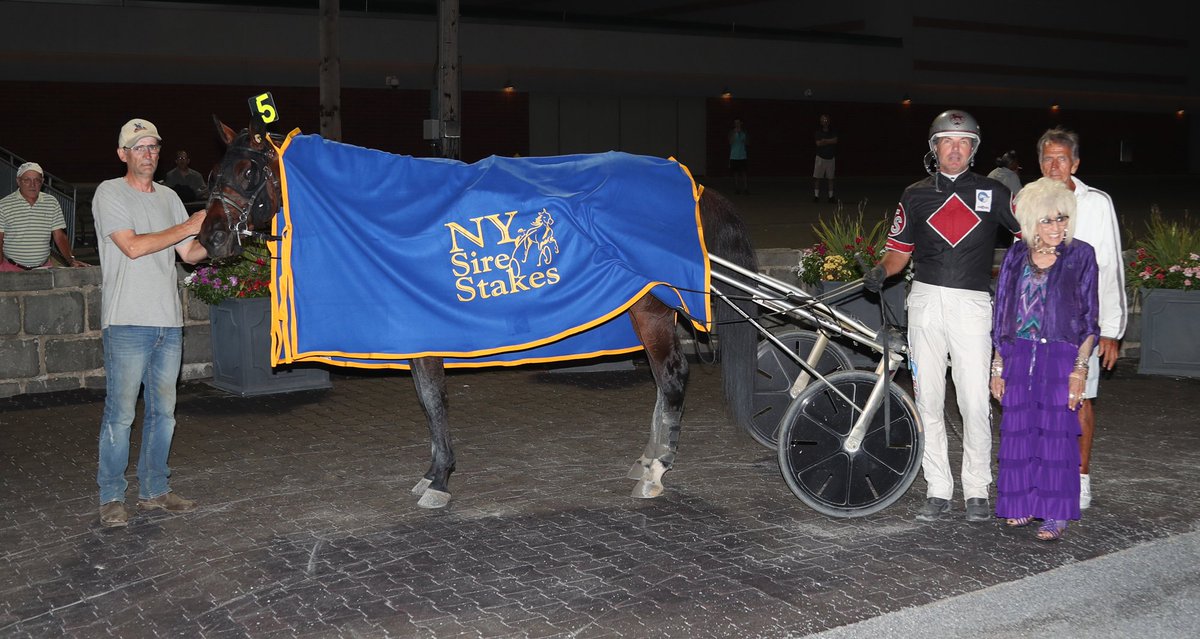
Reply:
x=306, y=527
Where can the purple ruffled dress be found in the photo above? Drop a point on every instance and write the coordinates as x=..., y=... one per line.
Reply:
x=1039, y=435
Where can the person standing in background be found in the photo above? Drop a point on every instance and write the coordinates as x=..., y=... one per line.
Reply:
x=825, y=163
x=738, y=143
x=1058, y=156
x=1007, y=172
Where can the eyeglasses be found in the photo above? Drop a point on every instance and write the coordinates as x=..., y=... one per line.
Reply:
x=143, y=149
x=35, y=180
x=1062, y=219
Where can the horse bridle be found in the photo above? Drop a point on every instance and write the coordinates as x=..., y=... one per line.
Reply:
x=254, y=199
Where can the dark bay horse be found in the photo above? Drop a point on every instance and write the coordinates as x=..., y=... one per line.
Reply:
x=245, y=195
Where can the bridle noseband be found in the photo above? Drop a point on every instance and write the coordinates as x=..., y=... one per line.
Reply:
x=254, y=200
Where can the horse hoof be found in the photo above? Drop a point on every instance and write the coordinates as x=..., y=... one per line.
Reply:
x=647, y=489
x=434, y=499
x=419, y=489
x=650, y=483
x=638, y=469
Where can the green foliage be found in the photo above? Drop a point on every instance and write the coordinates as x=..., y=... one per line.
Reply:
x=844, y=248
x=1167, y=256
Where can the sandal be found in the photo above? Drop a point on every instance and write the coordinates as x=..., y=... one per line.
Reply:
x=1018, y=522
x=1051, y=530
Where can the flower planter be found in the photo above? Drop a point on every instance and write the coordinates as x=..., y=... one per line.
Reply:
x=1170, y=332
x=241, y=346
x=863, y=305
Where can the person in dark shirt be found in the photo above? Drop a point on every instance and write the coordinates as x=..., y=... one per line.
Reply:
x=826, y=140
x=946, y=224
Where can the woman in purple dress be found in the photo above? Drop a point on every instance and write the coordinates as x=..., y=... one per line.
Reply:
x=1043, y=331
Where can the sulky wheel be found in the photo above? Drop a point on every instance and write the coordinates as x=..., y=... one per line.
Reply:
x=776, y=374
x=828, y=478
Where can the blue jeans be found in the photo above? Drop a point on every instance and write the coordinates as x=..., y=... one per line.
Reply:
x=136, y=356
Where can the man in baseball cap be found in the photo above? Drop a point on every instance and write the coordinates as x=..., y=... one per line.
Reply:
x=140, y=227
x=29, y=220
x=136, y=129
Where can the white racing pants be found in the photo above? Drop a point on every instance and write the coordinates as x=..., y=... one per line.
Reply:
x=956, y=323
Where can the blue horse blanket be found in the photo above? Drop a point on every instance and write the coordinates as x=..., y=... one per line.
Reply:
x=385, y=258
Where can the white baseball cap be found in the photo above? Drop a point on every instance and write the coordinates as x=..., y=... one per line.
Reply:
x=30, y=166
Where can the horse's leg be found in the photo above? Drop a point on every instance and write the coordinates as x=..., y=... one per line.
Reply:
x=654, y=324
x=429, y=376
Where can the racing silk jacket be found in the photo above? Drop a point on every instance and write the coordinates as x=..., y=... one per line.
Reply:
x=949, y=227
x=1096, y=224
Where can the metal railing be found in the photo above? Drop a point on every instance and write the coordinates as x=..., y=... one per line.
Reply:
x=63, y=191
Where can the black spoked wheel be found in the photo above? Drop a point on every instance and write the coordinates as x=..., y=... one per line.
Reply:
x=823, y=474
x=776, y=374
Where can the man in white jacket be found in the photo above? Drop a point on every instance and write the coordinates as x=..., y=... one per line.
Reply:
x=1096, y=224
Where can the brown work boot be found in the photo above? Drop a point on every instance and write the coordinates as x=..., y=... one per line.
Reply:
x=113, y=515
x=169, y=502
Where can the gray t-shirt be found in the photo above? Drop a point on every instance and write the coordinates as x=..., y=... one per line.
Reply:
x=1007, y=177
x=141, y=292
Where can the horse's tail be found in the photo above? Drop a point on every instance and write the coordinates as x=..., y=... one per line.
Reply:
x=737, y=341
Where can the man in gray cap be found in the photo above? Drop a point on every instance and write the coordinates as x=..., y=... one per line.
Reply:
x=29, y=219
x=140, y=226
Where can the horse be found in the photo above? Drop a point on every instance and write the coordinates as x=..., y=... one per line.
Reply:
x=245, y=194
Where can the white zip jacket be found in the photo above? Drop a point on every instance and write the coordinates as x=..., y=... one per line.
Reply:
x=1096, y=224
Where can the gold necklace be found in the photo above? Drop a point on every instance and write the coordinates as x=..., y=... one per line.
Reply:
x=1046, y=250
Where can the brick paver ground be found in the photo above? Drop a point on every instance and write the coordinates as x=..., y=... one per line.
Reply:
x=307, y=529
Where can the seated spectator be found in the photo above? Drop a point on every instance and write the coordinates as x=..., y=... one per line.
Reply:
x=189, y=184
x=29, y=219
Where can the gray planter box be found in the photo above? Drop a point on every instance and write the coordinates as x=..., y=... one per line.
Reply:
x=241, y=349
x=1170, y=333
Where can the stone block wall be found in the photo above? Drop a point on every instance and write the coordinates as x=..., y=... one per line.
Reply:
x=50, y=332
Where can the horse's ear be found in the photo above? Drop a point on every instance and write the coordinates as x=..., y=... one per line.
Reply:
x=225, y=133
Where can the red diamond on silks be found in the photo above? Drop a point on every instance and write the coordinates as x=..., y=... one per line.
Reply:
x=954, y=220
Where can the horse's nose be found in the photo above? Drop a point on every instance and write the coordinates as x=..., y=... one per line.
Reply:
x=218, y=239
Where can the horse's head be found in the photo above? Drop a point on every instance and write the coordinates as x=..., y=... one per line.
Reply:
x=244, y=191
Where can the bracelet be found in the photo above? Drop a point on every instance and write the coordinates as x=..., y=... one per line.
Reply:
x=997, y=370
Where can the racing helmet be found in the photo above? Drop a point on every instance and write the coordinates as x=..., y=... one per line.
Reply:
x=955, y=123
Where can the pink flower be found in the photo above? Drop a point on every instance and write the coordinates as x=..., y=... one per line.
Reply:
x=1187, y=282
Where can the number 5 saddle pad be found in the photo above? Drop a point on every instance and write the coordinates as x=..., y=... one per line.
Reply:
x=385, y=257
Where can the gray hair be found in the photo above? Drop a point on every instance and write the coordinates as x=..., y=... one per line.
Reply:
x=1044, y=198
x=1059, y=135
